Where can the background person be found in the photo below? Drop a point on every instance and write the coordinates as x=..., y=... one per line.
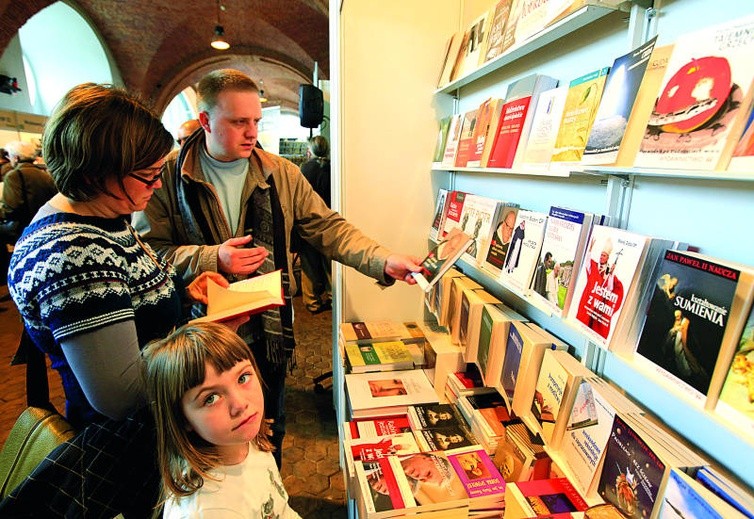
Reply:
x=185, y=130
x=222, y=192
x=91, y=293
x=315, y=282
x=213, y=440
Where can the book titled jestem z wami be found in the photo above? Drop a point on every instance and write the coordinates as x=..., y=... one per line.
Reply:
x=441, y=258
x=250, y=296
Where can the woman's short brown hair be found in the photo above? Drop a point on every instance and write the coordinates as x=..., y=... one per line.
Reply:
x=98, y=132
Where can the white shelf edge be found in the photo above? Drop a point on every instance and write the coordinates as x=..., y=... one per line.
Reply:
x=565, y=173
x=567, y=25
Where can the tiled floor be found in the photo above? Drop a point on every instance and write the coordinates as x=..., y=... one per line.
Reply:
x=310, y=452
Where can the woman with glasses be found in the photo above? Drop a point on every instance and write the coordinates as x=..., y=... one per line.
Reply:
x=92, y=294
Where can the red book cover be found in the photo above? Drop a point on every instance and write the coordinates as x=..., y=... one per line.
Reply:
x=454, y=206
x=509, y=133
x=552, y=496
x=381, y=489
x=384, y=426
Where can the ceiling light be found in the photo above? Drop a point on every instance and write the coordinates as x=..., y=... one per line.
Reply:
x=218, y=41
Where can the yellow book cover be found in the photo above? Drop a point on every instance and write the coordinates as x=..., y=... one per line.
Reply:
x=582, y=101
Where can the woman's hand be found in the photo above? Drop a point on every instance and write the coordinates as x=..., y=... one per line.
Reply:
x=197, y=289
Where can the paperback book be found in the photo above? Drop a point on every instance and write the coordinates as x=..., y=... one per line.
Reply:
x=544, y=130
x=610, y=268
x=696, y=304
x=482, y=481
x=737, y=396
x=249, y=296
x=366, y=332
x=472, y=304
x=492, y=258
x=516, y=118
x=700, y=110
x=442, y=139
x=555, y=392
x=524, y=249
x=542, y=498
x=453, y=212
x=478, y=216
x=521, y=456
x=685, y=497
x=379, y=394
x=441, y=258
x=438, y=221
x=466, y=140
x=581, y=103
x=566, y=235
x=621, y=88
x=379, y=356
x=632, y=474
x=496, y=37
x=451, y=141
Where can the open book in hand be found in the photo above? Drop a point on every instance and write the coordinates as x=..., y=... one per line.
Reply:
x=442, y=257
x=250, y=296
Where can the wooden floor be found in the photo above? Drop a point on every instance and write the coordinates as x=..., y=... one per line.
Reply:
x=310, y=471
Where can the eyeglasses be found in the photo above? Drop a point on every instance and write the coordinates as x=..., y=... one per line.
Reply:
x=148, y=182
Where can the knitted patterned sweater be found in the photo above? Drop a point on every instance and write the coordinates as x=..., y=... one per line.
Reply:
x=71, y=274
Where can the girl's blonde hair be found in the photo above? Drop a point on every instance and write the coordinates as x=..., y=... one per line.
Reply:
x=174, y=365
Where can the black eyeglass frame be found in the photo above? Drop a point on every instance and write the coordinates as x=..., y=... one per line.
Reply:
x=147, y=182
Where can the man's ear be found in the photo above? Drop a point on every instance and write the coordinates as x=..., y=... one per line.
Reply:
x=204, y=121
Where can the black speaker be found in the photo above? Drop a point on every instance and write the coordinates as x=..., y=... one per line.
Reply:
x=311, y=106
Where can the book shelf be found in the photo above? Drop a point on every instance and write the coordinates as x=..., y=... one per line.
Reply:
x=710, y=210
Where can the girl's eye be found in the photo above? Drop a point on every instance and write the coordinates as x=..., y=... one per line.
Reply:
x=246, y=377
x=211, y=399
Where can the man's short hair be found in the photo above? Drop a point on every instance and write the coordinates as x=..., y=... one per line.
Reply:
x=228, y=79
x=319, y=146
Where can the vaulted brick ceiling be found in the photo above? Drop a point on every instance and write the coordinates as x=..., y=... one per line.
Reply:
x=161, y=46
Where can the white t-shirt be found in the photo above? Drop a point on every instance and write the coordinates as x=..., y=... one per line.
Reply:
x=251, y=489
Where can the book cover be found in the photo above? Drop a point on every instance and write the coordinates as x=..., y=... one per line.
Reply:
x=433, y=481
x=632, y=472
x=518, y=335
x=457, y=286
x=444, y=438
x=441, y=258
x=466, y=140
x=545, y=125
x=621, y=89
x=691, y=307
x=521, y=456
x=535, y=15
x=470, y=53
x=685, y=497
x=701, y=107
x=452, y=140
x=501, y=239
x=371, y=393
x=643, y=105
x=376, y=427
x=524, y=249
x=493, y=334
x=249, y=296
x=610, y=267
x=442, y=139
x=431, y=416
x=365, y=332
x=453, y=212
x=378, y=356
x=438, y=221
x=496, y=33
x=543, y=498
x=586, y=436
x=382, y=493
x=451, y=54
x=472, y=304
x=368, y=449
x=742, y=159
x=727, y=490
x=562, y=250
x=478, y=216
x=478, y=474
x=559, y=378
x=581, y=103
x=485, y=116
x=515, y=119
x=737, y=396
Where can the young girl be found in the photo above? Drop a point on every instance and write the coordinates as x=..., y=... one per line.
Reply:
x=213, y=448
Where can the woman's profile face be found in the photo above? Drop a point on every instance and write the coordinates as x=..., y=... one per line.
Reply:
x=139, y=187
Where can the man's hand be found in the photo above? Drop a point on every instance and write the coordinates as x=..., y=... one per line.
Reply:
x=400, y=267
x=234, y=258
x=197, y=289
